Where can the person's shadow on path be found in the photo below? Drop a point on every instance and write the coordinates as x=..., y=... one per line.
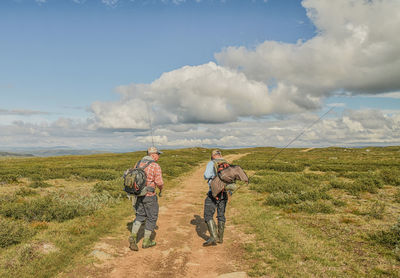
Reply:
x=201, y=226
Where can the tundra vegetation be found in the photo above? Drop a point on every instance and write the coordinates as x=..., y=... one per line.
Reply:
x=53, y=209
x=331, y=212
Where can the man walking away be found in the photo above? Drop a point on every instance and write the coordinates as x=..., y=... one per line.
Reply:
x=211, y=203
x=146, y=206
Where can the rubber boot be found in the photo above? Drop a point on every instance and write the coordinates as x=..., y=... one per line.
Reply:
x=212, y=228
x=147, y=242
x=221, y=228
x=132, y=242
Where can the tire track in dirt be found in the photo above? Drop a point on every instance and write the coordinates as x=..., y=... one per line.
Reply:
x=181, y=233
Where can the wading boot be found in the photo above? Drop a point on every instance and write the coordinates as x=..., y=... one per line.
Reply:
x=221, y=228
x=147, y=243
x=212, y=228
x=132, y=242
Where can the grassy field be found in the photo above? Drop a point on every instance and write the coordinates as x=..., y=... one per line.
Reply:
x=329, y=212
x=53, y=209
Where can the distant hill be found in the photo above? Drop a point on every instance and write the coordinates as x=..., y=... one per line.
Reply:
x=15, y=154
x=60, y=152
x=44, y=152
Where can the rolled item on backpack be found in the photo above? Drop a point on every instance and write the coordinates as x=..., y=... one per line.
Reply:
x=217, y=185
x=233, y=173
x=227, y=176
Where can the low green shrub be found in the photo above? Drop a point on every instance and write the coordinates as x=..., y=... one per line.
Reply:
x=376, y=210
x=13, y=232
x=312, y=207
x=23, y=256
x=338, y=203
x=173, y=171
x=329, y=167
x=389, y=238
x=9, y=178
x=336, y=183
x=95, y=174
x=363, y=184
x=25, y=191
x=397, y=196
x=252, y=165
x=351, y=174
x=114, y=188
x=391, y=176
x=285, y=182
x=286, y=167
x=36, y=177
x=283, y=198
x=39, y=184
x=55, y=208
x=370, y=184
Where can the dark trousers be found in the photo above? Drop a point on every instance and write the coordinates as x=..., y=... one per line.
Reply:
x=211, y=203
x=146, y=208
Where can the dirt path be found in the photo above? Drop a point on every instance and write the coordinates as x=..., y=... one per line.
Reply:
x=179, y=251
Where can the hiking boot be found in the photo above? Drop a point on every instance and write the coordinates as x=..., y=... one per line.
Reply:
x=132, y=242
x=212, y=228
x=221, y=228
x=147, y=243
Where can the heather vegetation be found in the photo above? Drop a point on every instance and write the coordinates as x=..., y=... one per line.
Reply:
x=67, y=203
x=322, y=212
x=331, y=212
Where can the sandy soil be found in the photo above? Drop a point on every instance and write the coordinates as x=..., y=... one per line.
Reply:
x=180, y=235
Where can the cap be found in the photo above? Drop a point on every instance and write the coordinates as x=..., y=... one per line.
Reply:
x=216, y=152
x=153, y=150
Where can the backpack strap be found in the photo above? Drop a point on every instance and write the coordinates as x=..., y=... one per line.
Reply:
x=145, y=166
x=216, y=162
x=137, y=164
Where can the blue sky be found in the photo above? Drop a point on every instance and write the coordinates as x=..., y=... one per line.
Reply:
x=70, y=61
x=61, y=53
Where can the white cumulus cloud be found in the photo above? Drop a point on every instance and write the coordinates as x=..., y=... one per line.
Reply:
x=197, y=94
x=357, y=50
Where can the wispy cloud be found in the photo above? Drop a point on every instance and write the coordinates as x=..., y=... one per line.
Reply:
x=40, y=1
x=22, y=112
x=388, y=95
x=337, y=104
x=349, y=128
x=110, y=3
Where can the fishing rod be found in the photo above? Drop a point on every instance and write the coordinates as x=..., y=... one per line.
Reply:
x=150, y=124
x=293, y=140
x=301, y=133
x=152, y=136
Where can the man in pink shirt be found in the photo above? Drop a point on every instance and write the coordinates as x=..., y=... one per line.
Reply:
x=146, y=206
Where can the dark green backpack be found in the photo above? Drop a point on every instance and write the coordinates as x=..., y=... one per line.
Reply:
x=135, y=179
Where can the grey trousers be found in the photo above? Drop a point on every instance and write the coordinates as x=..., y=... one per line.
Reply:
x=211, y=204
x=146, y=208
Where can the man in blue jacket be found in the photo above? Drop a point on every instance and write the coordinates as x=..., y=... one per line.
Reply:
x=211, y=204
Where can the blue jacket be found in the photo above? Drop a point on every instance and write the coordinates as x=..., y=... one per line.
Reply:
x=209, y=173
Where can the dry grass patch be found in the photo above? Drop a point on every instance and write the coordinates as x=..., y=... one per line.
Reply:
x=331, y=220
